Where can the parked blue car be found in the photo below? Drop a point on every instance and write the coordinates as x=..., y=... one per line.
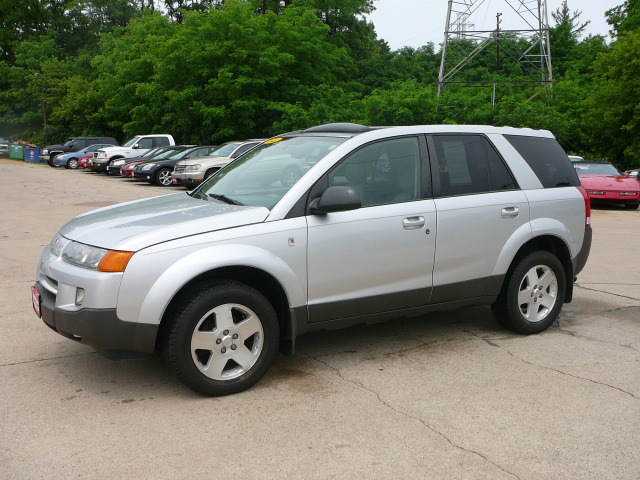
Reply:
x=70, y=160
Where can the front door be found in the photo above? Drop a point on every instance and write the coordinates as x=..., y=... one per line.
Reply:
x=378, y=258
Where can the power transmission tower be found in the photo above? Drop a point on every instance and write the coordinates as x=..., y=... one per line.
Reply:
x=463, y=42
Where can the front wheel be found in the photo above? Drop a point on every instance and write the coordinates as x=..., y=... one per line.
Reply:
x=290, y=175
x=222, y=339
x=163, y=177
x=532, y=295
x=72, y=163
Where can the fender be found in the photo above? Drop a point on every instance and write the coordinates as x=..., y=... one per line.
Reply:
x=536, y=228
x=205, y=260
x=517, y=239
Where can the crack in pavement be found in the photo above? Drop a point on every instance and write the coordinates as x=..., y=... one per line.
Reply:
x=594, y=339
x=486, y=340
x=608, y=293
x=45, y=359
x=400, y=412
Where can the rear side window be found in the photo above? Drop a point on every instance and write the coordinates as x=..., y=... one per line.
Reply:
x=157, y=141
x=547, y=159
x=469, y=164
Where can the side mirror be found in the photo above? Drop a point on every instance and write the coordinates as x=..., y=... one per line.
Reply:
x=135, y=146
x=336, y=199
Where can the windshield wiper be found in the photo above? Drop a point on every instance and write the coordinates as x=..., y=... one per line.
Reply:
x=225, y=199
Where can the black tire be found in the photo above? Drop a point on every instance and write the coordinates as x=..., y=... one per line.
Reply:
x=632, y=206
x=72, y=163
x=290, y=175
x=163, y=177
x=526, y=308
x=209, y=173
x=245, y=332
x=51, y=159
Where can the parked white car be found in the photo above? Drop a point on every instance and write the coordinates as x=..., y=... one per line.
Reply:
x=136, y=147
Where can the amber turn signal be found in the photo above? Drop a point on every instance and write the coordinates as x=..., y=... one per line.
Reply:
x=115, y=261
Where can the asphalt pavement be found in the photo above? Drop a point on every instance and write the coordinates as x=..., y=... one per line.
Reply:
x=450, y=395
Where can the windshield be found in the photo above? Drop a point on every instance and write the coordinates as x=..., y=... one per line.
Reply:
x=262, y=176
x=596, y=169
x=225, y=150
x=131, y=142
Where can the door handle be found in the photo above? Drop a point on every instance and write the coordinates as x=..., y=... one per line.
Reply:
x=412, y=223
x=510, y=212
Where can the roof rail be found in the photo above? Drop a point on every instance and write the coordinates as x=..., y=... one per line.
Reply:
x=339, y=128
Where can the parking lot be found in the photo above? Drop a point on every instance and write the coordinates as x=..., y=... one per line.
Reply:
x=451, y=395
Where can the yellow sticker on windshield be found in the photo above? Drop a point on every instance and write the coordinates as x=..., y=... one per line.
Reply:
x=273, y=140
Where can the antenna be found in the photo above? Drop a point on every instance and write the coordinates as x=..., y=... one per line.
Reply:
x=463, y=42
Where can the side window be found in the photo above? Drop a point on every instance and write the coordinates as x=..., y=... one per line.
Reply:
x=243, y=149
x=158, y=141
x=499, y=176
x=145, y=143
x=461, y=164
x=382, y=173
x=547, y=159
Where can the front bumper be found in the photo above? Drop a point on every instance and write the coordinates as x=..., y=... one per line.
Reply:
x=98, y=328
x=188, y=178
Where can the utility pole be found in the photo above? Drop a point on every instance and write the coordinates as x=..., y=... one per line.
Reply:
x=44, y=107
x=463, y=42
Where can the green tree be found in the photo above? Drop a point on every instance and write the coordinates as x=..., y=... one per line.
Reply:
x=612, y=119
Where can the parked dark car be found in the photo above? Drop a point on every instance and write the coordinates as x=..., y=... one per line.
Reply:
x=73, y=145
x=115, y=167
x=158, y=172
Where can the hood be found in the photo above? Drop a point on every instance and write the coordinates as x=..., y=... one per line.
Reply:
x=135, y=225
x=609, y=182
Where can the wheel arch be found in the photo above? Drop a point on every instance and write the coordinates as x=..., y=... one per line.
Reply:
x=555, y=245
x=259, y=279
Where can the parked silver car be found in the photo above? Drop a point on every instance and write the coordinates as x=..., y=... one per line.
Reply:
x=384, y=223
x=193, y=171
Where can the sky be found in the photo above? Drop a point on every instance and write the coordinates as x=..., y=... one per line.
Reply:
x=415, y=22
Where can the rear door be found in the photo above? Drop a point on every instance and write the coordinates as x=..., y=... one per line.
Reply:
x=480, y=207
x=378, y=258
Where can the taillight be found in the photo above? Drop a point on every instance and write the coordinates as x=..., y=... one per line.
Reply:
x=587, y=207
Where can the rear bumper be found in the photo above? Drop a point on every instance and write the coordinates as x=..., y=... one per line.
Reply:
x=98, y=328
x=581, y=259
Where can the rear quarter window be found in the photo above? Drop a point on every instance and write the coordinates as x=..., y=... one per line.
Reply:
x=547, y=159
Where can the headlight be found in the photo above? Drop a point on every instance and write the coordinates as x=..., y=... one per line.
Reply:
x=86, y=256
x=57, y=244
x=82, y=255
x=115, y=163
x=45, y=151
x=148, y=166
x=192, y=168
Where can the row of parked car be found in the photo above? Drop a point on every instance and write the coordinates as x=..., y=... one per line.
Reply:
x=158, y=160
x=154, y=158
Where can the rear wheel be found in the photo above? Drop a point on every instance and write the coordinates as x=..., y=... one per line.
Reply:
x=223, y=339
x=532, y=295
x=632, y=205
x=163, y=177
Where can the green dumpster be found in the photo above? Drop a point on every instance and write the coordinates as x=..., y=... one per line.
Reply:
x=17, y=151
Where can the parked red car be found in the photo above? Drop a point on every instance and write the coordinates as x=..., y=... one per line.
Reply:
x=82, y=161
x=605, y=184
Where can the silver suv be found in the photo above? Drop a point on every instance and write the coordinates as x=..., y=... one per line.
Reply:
x=383, y=223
